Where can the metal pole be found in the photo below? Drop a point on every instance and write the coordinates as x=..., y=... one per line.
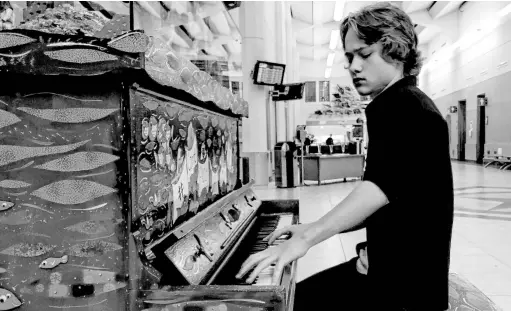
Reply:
x=301, y=166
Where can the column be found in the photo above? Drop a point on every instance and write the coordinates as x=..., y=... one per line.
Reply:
x=276, y=112
x=256, y=46
x=283, y=11
x=290, y=70
x=297, y=103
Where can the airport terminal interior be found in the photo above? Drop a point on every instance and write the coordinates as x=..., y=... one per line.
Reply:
x=147, y=147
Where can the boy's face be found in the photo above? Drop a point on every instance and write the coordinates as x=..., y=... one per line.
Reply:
x=369, y=71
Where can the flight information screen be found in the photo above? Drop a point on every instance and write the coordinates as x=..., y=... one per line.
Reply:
x=266, y=73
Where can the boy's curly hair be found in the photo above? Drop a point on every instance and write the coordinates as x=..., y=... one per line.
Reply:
x=392, y=27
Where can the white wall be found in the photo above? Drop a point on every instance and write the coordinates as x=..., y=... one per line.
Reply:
x=479, y=66
x=479, y=59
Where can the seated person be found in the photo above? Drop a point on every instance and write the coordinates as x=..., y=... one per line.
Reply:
x=408, y=229
x=349, y=277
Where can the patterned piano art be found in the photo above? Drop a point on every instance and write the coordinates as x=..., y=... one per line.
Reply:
x=166, y=67
x=62, y=193
x=184, y=162
x=216, y=299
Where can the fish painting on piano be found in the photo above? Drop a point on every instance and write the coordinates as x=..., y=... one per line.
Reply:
x=62, y=191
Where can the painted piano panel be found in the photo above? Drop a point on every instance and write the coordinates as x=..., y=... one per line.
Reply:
x=63, y=200
x=183, y=159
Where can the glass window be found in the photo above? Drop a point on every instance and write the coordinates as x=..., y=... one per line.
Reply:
x=310, y=91
x=235, y=87
x=324, y=91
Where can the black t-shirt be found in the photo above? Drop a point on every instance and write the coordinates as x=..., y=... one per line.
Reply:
x=329, y=141
x=409, y=238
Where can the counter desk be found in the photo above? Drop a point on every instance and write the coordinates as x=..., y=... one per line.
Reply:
x=332, y=167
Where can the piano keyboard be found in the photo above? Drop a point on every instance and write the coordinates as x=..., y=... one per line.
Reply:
x=269, y=224
x=216, y=257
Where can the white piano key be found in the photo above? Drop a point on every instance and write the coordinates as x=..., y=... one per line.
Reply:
x=265, y=277
x=284, y=221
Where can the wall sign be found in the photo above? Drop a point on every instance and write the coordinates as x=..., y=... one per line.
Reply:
x=482, y=101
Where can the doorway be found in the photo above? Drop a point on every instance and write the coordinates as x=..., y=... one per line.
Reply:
x=448, y=119
x=481, y=128
x=462, y=129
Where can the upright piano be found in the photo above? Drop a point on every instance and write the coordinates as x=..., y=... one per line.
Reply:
x=119, y=181
x=199, y=260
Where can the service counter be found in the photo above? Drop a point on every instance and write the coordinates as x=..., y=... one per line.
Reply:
x=350, y=148
x=320, y=167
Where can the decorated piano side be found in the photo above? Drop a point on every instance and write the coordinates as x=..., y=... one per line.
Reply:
x=183, y=159
x=65, y=196
x=102, y=157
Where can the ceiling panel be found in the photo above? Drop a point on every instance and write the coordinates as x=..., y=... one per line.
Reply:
x=198, y=30
x=412, y=6
x=323, y=11
x=352, y=6
x=427, y=35
x=313, y=23
x=305, y=36
x=321, y=53
x=441, y=8
x=302, y=11
x=321, y=36
x=220, y=24
x=307, y=54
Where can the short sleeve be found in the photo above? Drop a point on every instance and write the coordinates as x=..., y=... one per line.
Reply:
x=402, y=146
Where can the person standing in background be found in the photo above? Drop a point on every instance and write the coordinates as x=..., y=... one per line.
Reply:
x=330, y=141
x=307, y=143
x=408, y=229
x=330, y=144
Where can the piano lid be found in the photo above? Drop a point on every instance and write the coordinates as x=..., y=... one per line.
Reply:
x=37, y=52
x=197, y=248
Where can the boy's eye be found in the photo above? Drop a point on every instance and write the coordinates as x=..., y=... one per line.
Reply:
x=366, y=55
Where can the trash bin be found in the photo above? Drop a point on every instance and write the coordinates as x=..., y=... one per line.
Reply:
x=286, y=165
x=245, y=170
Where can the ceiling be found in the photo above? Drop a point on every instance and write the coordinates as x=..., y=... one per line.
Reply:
x=209, y=30
x=313, y=22
x=197, y=30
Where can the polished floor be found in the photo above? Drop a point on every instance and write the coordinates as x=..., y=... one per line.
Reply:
x=481, y=244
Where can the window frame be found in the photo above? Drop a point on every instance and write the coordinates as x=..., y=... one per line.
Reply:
x=306, y=92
